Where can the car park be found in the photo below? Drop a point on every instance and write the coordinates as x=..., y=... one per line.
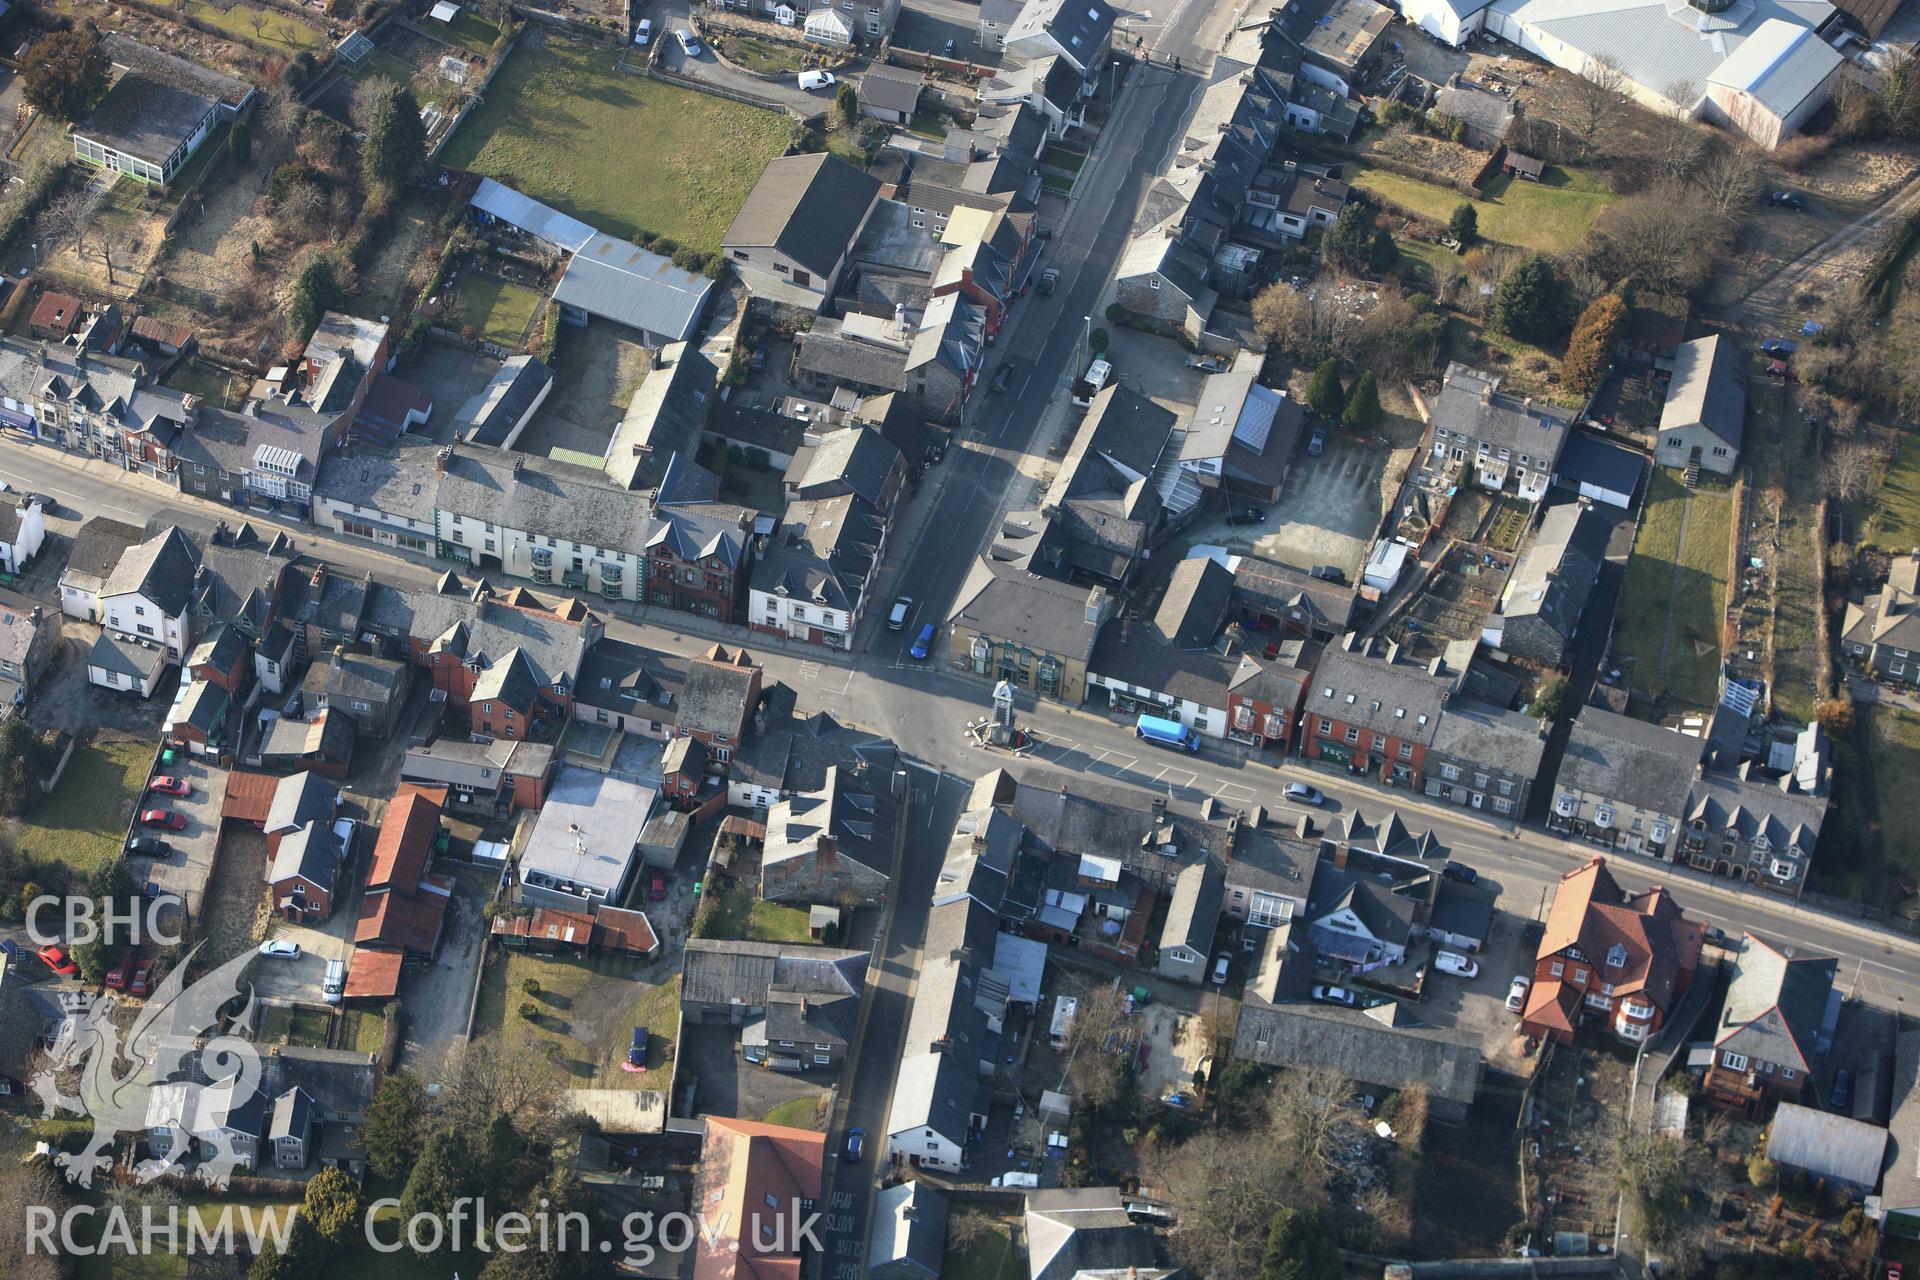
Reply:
x=1517, y=993
x=1334, y=995
x=1460, y=871
x=1456, y=964
x=897, y=616
x=1301, y=793
x=924, y=644
x=163, y=820
x=280, y=949
x=57, y=960
x=169, y=786
x=856, y=1146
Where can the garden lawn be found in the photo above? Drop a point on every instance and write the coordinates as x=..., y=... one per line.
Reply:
x=587, y=1008
x=385, y=64
x=1893, y=750
x=112, y=1263
x=279, y=32
x=363, y=1030
x=991, y=1257
x=280, y=1024
x=468, y=30
x=85, y=820
x=777, y=922
x=1696, y=597
x=1891, y=518
x=617, y=150
x=1551, y=215
x=795, y=1113
x=496, y=310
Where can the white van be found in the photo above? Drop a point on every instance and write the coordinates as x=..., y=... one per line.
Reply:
x=335, y=983
x=811, y=80
x=643, y=34
x=1028, y=1180
x=1098, y=374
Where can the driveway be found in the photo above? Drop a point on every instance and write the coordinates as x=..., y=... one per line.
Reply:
x=436, y=999
x=670, y=16
x=298, y=981
x=186, y=872
x=729, y=1084
x=1329, y=508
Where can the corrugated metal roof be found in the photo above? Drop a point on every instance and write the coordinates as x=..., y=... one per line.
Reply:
x=1658, y=43
x=531, y=216
x=1834, y=1147
x=621, y=281
x=1781, y=66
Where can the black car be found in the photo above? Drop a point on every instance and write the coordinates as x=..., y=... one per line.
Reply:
x=1460, y=871
x=1049, y=279
x=149, y=847
x=1842, y=1091
x=1329, y=573
x=1788, y=200
x=1247, y=515
x=1003, y=375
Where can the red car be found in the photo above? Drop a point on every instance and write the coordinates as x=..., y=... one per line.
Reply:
x=56, y=960
x=117, y=976
x=167, y=786
x=657, y=887
x=165, y=819
x=142, y=978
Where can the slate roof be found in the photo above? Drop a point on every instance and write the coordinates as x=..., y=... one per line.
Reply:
x=541, y=496
x=497, y=408
x=400, y=482
x=1490, y=736
x=1073, y=1232
x=794, y=753
x=857, y=457
x=1193, y=909
x=311, y=853
x=665, y=417
x=1557, y=571
x=1775, y=1004
x=822, y=551
x=1369, y=685
x=1077, y=27
x=351, y=676
x=1629, y=761
x=909, y=1227
x=891, y=89
x=858, y=818
x=730, y=971
x=809, y=207
x=1277, y=589
x=1588, y=459
x=161, y=570
x=827, y=351
x=716, y=696
x=1472, y=406
x=620, y=281
x=1709, y=387
x=299, y=799
x=328, y=736
x=97, y=549
x=1006, y=603
x=1177, y=652
x=624, y=677
x=1359, y=1048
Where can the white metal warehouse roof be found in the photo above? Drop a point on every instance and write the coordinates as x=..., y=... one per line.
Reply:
x=618, y=280
x=531, y=216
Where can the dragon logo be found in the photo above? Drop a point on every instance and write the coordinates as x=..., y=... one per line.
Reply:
x=193, y=1096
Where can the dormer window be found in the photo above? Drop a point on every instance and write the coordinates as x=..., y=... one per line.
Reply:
x=1617, y=956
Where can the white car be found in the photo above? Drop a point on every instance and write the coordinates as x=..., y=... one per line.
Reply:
x=279, y=949
x=1456, y=964
x=1517, y=993
x=1334, y=995
x=1301, y=793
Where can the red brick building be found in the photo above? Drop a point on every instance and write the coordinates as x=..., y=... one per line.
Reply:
x=1609, y=958
x=1264, y=699
x=718, y=696
x=512, y=663
x=1372, y=713
x=403, y=907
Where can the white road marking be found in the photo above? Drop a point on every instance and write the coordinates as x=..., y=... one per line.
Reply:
x=1238, y=790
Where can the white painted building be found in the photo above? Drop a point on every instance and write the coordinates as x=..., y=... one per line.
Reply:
x=23, y=529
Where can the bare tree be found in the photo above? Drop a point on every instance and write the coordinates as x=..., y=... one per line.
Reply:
x=1728, y=177
x=25, y=1186
x=1092, y=1071
x=1309, y=1107
x=1596, y=98
x=491, y=1077
x=1227, y=1186
x=63, y=217
x=1309, y=324
x=304, y=210
x=966, y=1229
x=366, y=95
x=1852, y=470
x=1677, y=143
x=276, y=115
x=257, y=19
x=1665, y=238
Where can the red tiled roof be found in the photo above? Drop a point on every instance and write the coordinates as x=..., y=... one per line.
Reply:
x=406, y=841
x=548, y=924
x=249, y=796
x=402, y=921
x=1550, y=1005
x=1662, y=947
x=373, y=975
x=154, y=329
x=57, y=311
x=745, y=1164
x=618, y=929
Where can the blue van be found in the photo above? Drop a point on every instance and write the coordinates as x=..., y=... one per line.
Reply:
x=924, y=644
x=1166, y=733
